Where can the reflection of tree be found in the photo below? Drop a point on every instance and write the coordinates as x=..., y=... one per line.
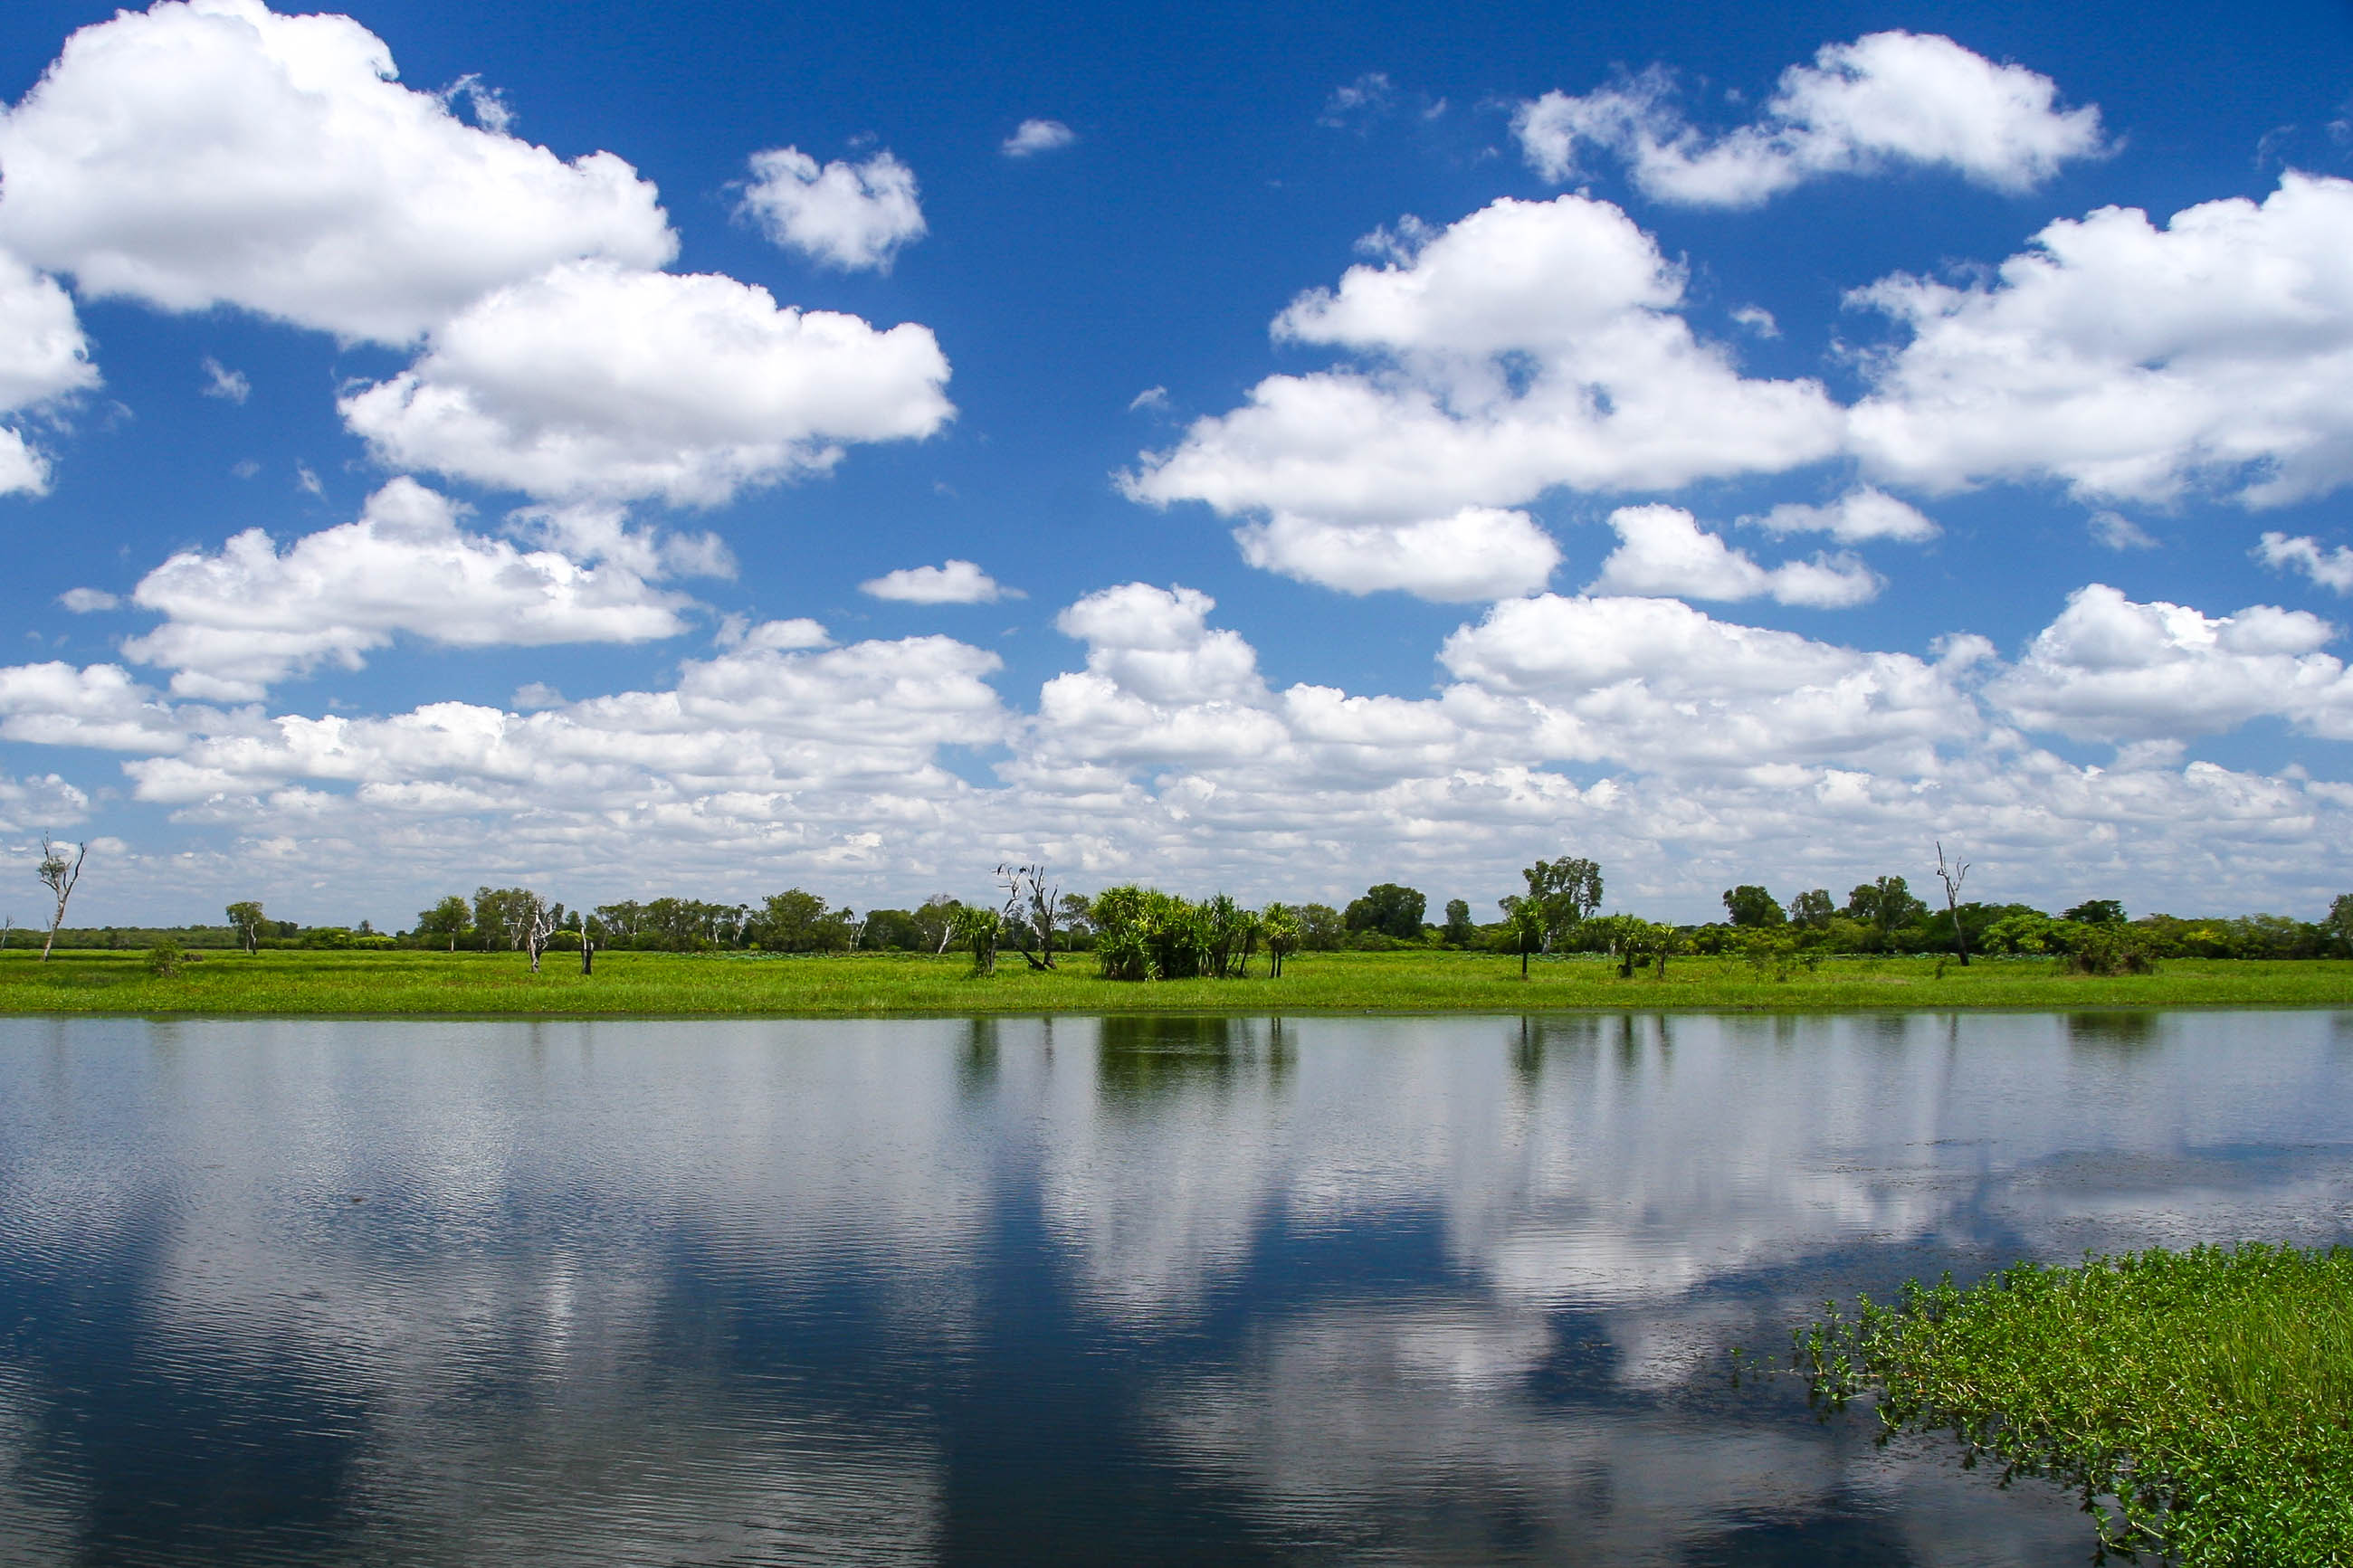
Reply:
x=976, y=1062
x=1534, y=1038
x=2122, y=1030
x=1144, y=1057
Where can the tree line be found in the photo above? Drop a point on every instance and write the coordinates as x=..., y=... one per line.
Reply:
x=1138, y=933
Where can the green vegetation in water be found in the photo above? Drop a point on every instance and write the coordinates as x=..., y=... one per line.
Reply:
x=358, y=982
x=2201, y=1401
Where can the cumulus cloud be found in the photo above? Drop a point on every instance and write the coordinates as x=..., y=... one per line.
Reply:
x=2132, y=361
x=2111, y=670
x=2329, y=568
x=1663, y=550
x=745, y=739
x=1479, y=552
x=1886, y=100
x=1529, y=346
x=100, y=706
x=855, y=216
x=83, y=601
x=217, y=153
x=1860, y=515
x=253, y=615
x=39, y=803
x=44, y=362
x=1680, y=749
x=1035, y=136
x=595, y=382
x=955, y=583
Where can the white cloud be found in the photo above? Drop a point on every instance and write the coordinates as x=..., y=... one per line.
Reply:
x=2132, y=361
x=1150, y=397
x=82, y=601
x=1757, y=319
x=44, y=357
x=956, y=582
x=1480, y=552
x=228, y=385
x=253, y=615
x=855, y=216
x=2111, y=670
x=1528, y=346
x=98, y=706
x=1683, y=751
x=2115, y=530
x=1856, y=517
x=2329, y=568
x=595, y=381
x=1885, y=99
x=38, y=804
x=44, y=362
x=1035, y=136
x=217, y=153
x=1662, y=549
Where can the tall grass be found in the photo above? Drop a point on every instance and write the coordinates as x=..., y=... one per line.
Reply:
x=407, y=982
x=2201, y=1401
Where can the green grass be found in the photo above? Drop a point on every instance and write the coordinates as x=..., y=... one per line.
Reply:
x=672, y=984
x=2203, y=1401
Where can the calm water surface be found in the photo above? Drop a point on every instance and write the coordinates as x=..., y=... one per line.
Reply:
x=1363, y=1289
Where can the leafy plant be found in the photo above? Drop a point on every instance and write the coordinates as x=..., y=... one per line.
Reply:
x=2201, y=1402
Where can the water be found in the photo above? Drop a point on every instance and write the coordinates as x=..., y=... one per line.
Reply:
x=1345, y=1289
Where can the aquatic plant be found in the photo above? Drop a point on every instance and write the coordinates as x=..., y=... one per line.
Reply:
x=2201, y=1402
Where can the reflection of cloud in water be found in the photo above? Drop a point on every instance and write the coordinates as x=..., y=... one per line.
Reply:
x=540, y=1209
x=621, y=1290
x=1352, y=1432
x=1618, y=1161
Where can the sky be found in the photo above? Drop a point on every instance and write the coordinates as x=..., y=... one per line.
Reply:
x=629, y=450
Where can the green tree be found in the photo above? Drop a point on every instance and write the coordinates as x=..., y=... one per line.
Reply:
x=245, y=919
x=1813, y=910
x=2097, y=912
x=450, y=919
x=1282, y=934
x=2339, y=923
x=798, y=922
x=1750, y=905
x=935, y=921
x=1320, y=928
x=506, y=916
x=1390, y=908
x=1458, y=931
x=1564, y=892
x=1526, y=923
x=1886, y=906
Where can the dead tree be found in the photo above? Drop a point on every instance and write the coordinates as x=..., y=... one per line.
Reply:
x=1953, y=878
x=59, y=875
x=541, y=925
x=1028, y=912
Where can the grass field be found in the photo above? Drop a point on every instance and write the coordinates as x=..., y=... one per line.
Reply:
x=676, y=984
x=2203, y=1400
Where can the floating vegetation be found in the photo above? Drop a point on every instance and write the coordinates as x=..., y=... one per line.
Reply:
x=2201, y=1401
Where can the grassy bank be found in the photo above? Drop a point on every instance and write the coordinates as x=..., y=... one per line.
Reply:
x=331, y=982
x=2202, y=1401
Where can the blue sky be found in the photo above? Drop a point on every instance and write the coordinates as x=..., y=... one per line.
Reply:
x=578, y=547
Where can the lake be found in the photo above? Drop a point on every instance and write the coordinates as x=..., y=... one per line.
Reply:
x=1398, y=1290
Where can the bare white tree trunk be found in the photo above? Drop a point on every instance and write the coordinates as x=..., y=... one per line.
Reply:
x=59, y=875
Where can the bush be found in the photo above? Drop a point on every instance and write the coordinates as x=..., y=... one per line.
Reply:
x=2109, y=949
